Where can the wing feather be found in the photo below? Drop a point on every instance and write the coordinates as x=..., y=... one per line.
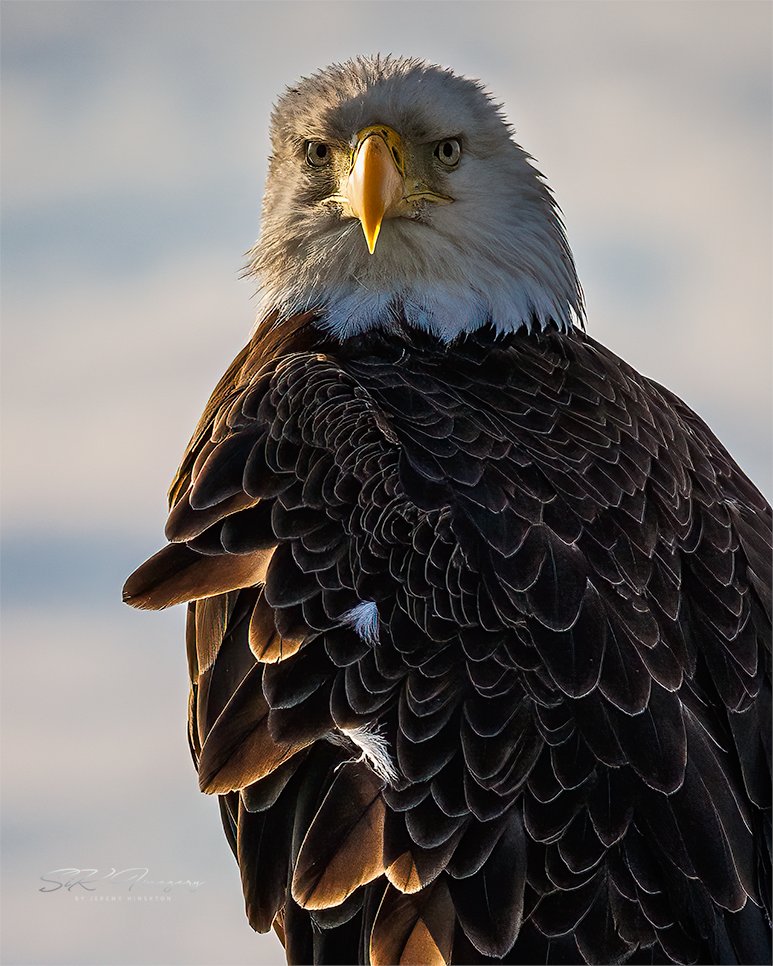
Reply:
x=342, y=849
x=561, y=701
x=417, y=928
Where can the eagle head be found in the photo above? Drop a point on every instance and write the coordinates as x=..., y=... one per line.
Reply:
x=397, y=196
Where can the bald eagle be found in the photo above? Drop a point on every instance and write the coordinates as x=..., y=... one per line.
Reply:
x=478, y=616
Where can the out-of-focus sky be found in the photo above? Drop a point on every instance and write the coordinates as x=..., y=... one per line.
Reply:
x=134, y=144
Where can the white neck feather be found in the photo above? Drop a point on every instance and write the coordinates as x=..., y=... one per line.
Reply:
x=447, y=277
x=469, y=290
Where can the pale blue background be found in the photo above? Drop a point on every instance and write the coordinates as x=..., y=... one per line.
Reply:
x=134, y=149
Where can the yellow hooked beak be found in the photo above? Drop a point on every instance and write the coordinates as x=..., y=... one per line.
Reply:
x=376, y=183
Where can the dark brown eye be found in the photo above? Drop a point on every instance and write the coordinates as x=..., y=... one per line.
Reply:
x=317, y=153
x=448, y=152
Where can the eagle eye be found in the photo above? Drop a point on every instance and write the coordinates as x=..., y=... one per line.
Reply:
x=448, y=152
x=317, y=153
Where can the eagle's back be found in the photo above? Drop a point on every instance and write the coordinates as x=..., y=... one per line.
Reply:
x=480, y=655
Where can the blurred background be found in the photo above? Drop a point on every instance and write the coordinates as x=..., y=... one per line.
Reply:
x=134, y=145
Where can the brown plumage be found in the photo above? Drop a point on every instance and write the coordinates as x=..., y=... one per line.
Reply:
x=572, y=735
x=479, y=645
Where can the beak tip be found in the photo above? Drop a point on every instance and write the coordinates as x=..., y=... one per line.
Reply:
x=371, y=238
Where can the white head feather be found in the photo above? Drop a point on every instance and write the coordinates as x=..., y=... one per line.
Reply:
x=497, y=255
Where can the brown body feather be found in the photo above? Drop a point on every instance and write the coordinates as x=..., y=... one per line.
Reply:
x=571, y=673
